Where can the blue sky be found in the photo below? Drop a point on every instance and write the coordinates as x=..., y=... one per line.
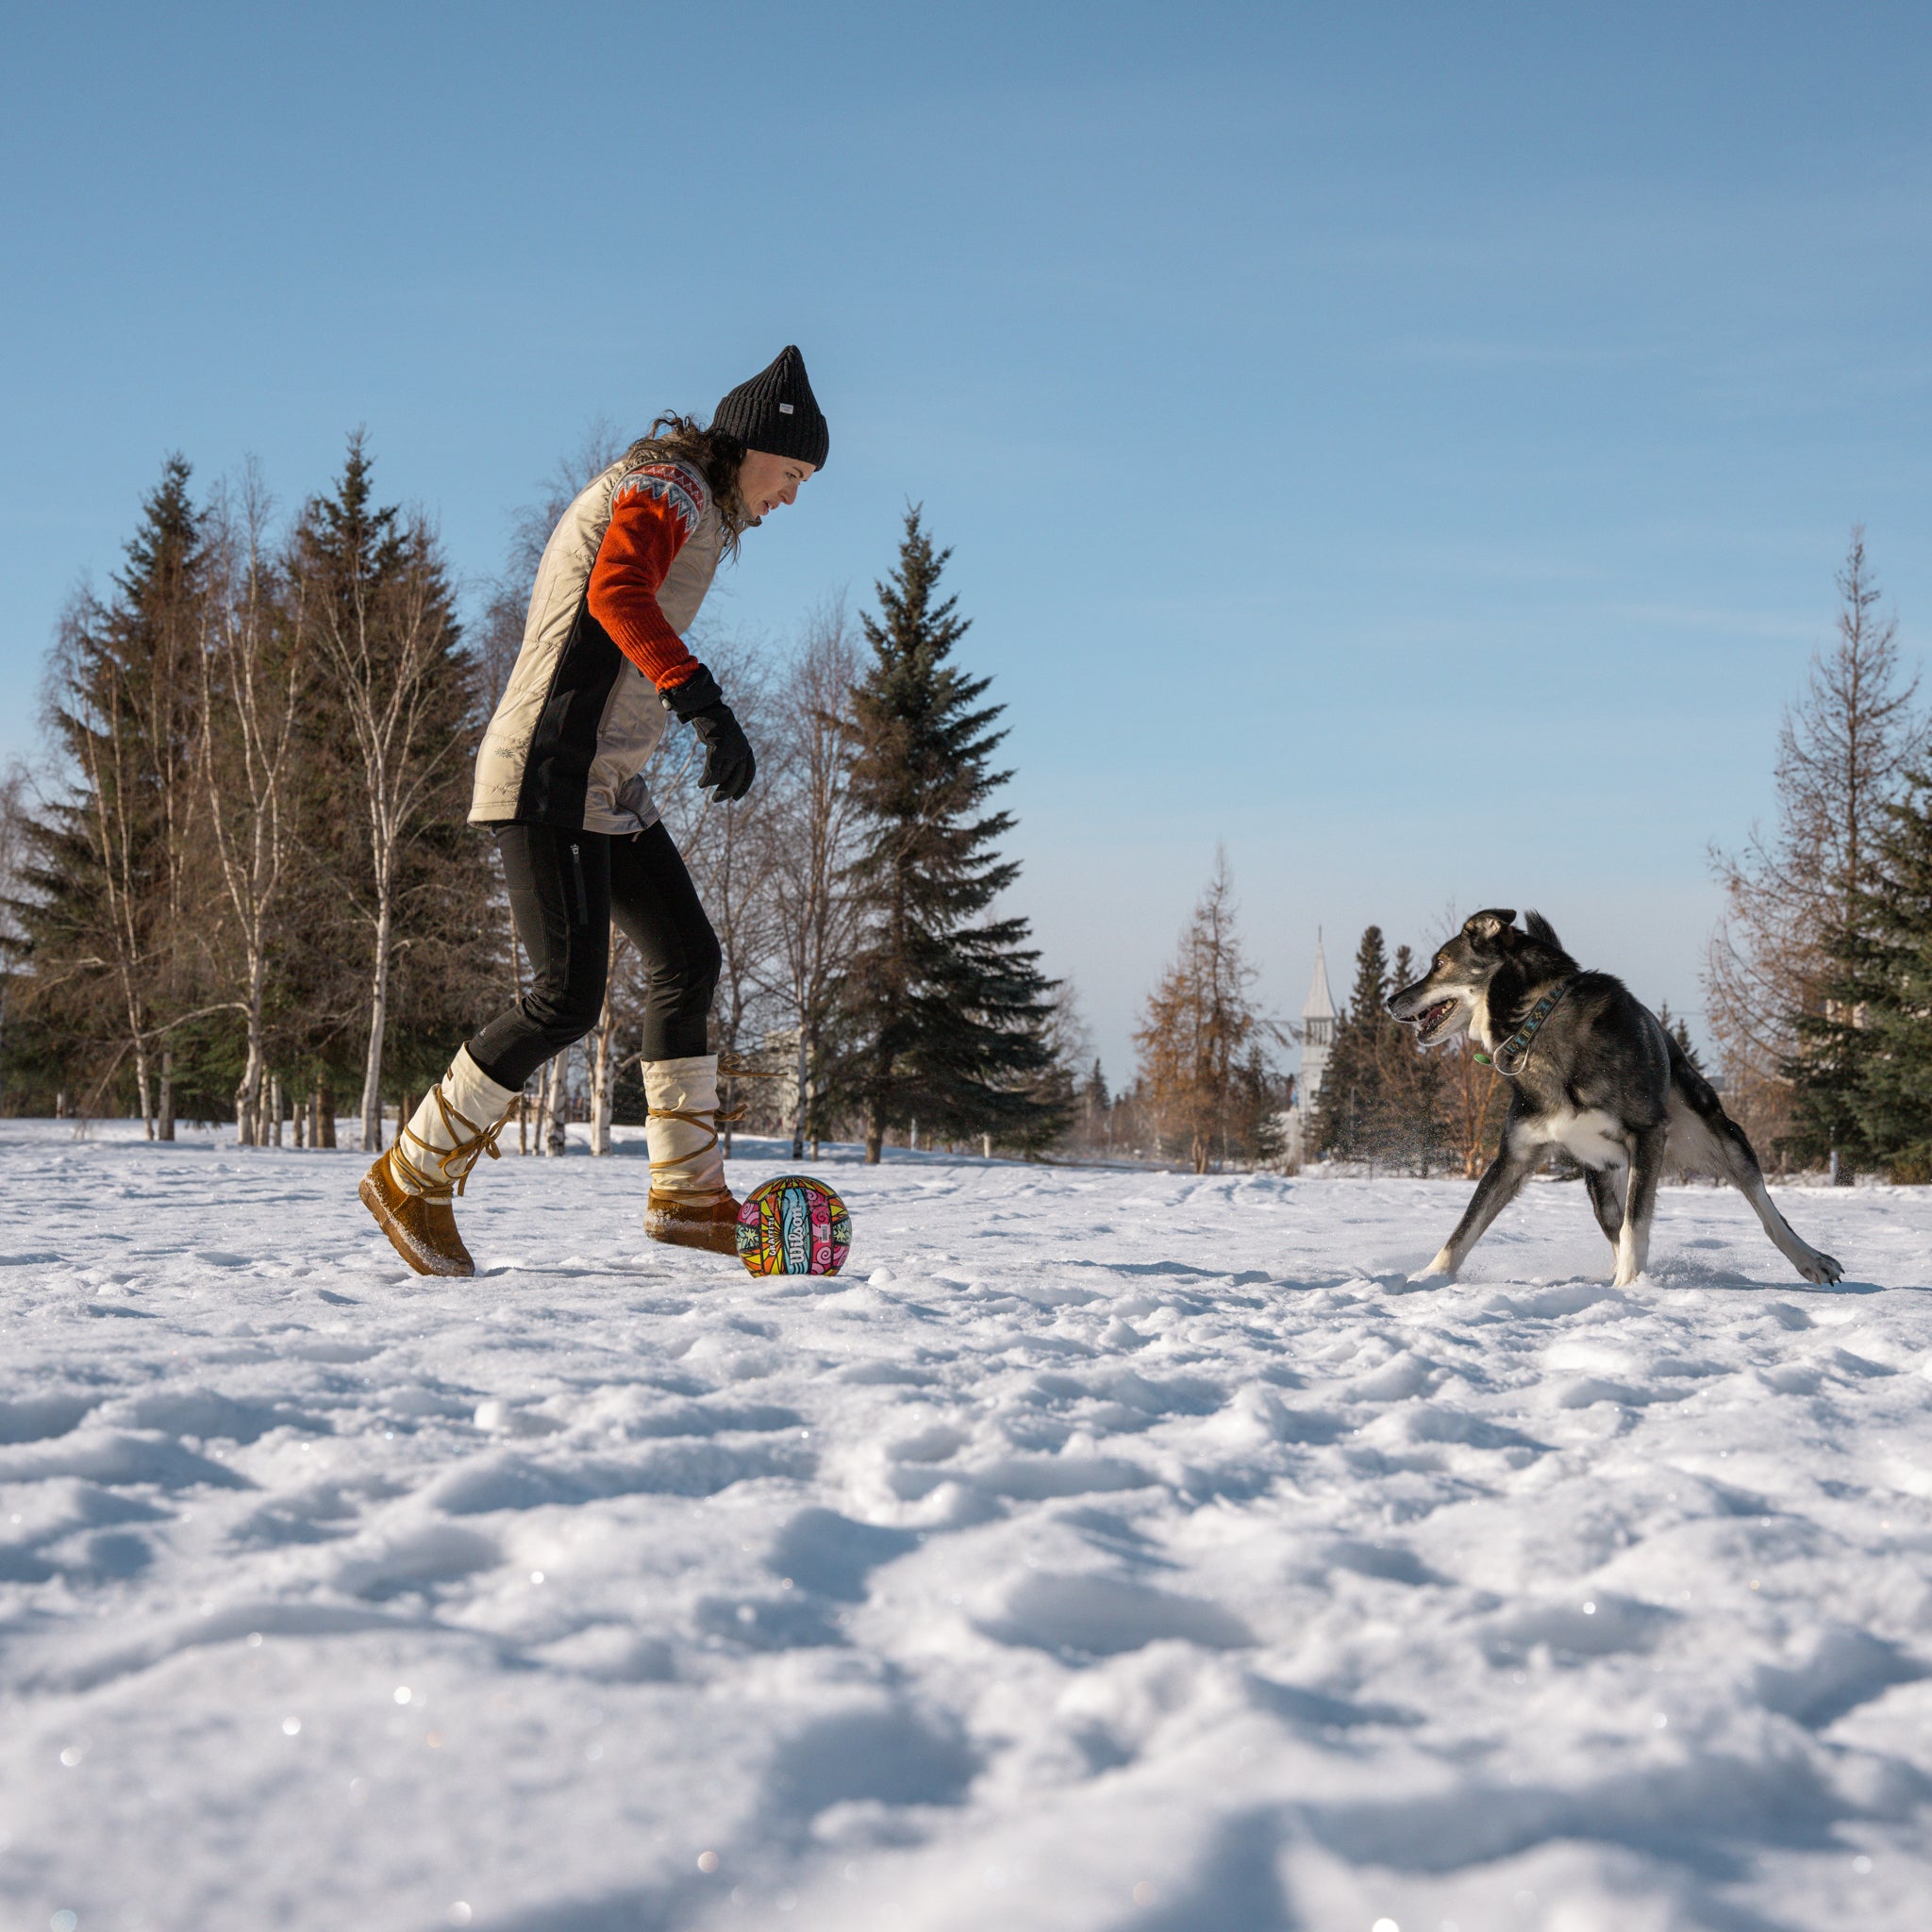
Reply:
x=1410, y=444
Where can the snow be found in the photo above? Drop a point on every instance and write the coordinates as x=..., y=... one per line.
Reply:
x=1103, y=1550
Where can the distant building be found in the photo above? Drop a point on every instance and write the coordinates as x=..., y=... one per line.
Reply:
x=1318, y=1029
x=1318, y=1038
x=778, y=1094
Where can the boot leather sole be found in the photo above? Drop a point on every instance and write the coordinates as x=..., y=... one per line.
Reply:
x=712, y=1226
x=424, y=1258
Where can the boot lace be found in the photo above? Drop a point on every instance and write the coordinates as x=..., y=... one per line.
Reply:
x=451, y=1169
x=706, y=1121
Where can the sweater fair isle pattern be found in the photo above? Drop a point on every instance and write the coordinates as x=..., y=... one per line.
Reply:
x=653, y=515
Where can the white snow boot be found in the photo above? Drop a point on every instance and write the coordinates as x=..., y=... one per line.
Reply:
x=409, y=1188
x=689, y=1202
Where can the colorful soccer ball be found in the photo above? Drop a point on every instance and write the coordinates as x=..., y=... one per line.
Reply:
x=793, y=1225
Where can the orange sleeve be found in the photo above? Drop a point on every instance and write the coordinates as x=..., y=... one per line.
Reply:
x=654, y=513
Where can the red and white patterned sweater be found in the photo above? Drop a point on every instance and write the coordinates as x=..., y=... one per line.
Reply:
x=655, y=510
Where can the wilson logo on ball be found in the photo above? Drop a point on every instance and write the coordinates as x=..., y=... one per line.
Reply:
x=793, y=1225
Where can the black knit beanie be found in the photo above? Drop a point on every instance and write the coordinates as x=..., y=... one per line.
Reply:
x=777, y=411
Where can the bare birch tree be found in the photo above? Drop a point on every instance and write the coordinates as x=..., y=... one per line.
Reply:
x=252, y=690
x=815, y=838
x=377, y=610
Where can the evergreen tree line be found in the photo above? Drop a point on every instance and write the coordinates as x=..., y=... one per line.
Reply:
x=243, y=887
x=1386, y=1103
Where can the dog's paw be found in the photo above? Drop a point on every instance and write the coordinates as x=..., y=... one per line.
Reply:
x=1822, y=1270
x=1441, y=1270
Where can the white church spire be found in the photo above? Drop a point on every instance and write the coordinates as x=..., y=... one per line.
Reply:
x=1320, y=1004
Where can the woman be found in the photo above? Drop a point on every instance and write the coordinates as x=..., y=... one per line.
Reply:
x=560, y=778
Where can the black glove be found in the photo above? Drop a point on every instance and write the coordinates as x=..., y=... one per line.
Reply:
x=729, y=766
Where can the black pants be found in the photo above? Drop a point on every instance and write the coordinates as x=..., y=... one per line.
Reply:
x=565, y=890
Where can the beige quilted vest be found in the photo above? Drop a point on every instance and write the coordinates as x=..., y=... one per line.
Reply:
x=579, y=722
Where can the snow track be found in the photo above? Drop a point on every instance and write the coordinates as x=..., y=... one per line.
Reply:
x=1104, y=1550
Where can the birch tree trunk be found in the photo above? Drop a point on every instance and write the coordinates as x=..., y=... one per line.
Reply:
x=600, y=1081
x=248, y=1099
x=378, y=1018
x=555, y=1139
x=802, y=1104
x=143, y=1086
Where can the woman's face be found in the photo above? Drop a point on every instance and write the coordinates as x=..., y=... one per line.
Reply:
x=765, y=481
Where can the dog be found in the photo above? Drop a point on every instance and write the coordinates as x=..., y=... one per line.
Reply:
x=1591, y=1071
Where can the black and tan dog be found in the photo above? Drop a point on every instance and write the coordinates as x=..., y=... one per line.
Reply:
x=1591, y=1072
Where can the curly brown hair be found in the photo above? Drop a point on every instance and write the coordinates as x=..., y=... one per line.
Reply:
x=715, y=453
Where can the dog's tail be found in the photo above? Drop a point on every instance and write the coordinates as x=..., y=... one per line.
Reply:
x=1702, y=1099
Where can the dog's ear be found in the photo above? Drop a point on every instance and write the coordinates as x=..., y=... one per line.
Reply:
x=1542, y=930
x=1486, y=928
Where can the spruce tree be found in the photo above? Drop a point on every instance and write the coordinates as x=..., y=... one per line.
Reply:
x=1862, y=1081
x=1096, y=1104
x=1348, y=1116
x=104, y=921
x=945, y=1013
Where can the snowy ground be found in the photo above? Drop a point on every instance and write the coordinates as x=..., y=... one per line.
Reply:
x=1105, y=1551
